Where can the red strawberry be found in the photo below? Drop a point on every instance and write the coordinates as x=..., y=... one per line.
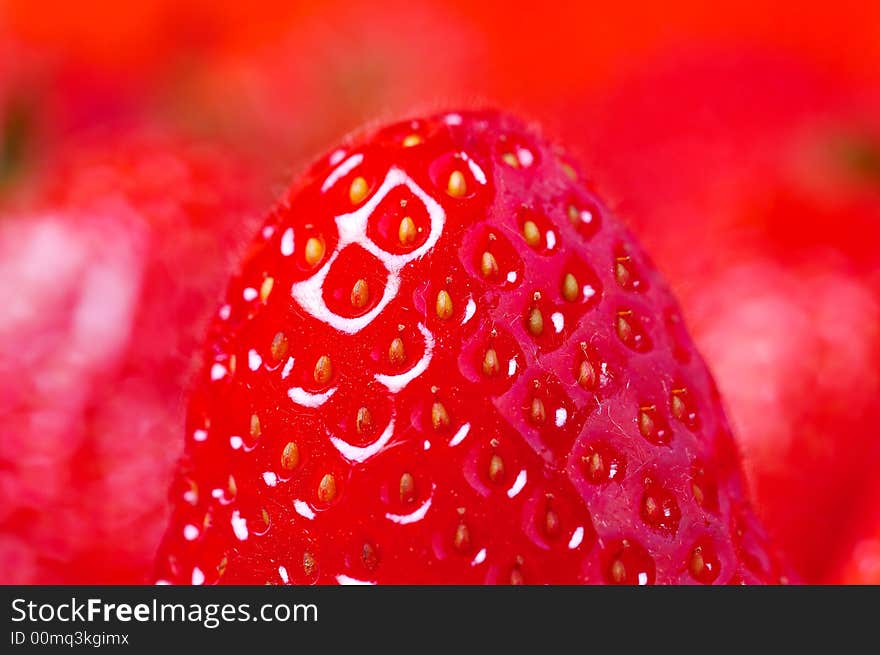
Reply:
x=445, y=361
x=106, y=284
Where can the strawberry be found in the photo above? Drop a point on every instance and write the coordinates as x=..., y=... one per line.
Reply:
x=107, y=281
x=443, y=360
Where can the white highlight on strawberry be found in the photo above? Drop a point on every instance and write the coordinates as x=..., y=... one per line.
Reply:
x=190, y=532
x=426, y=445
x=416, y=515
x=302, y=508
x=200, y=435
x=558, y=321
x=268, y=231
x=551, y=239
x=476, y=171
x=225, y=312
x=287, y=242
x=395, y=383
x=236, y=442
x=526, y=158
x=239, y=525
x=469, y=311
x=250, y=294
x=337, y=156
x=307, y=399
x=518, y=484
x=576, y=538
x=254, y=359
x=452, y=119
x=198, y=578
x=218, y=371
x=511, y=277
x=479, y=558
x=270, y=478
x=459, y=436
x=341, y=171
x=352, y=229
x=362, y=454
x=288, y=367
x=588, y=291
x=282, y=572
x=561, y=417
x=511, y=366
x=346, y=580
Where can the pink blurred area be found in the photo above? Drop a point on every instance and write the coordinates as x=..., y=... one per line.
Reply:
x=740, y=140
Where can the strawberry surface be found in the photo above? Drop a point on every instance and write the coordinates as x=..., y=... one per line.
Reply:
x=444, y=360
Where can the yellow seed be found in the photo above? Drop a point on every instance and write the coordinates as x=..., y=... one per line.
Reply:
x=396, y=353
x=551, y=523
x=290, y=456
x=439, y=416
x=532, y=234
x=266, y=288
x=462, y=537
x=444, y=305
x=573, y=214
x=516, y=577
x=624, y=329
x=650, y=506
x=279, y=346
x=698, y=493
x=358, y=190
x=569, y=171
x=646, y=423
x=255, y=426
x=697, y=562
x=490, y=363
x=537, y=412
x=364, y=421
x=596, y=465
x=457, y=185
x=618, y=571
x=370, y=557
x=360, y=293
x=406, y=233
x=407, y=488
x=221, y=567
x=586, y=374
x=314, y=250
x=536, y=322
x=496, y=468
x=488, y=265
x=570, y=288
x=510, y=159
x=231, y=486
x=621, y=271
x=265, y=515
x=323, y=370
x=327, y=488
x=232, y=363
x=309, y=563
x=411, y=140
x=677, y=405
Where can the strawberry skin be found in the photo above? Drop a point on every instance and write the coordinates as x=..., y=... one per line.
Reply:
x=444, y=361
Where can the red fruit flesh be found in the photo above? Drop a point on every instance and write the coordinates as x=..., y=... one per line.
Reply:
x=445, y=361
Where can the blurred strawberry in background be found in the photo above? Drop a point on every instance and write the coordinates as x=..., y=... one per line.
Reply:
x=104, y=282
x=740, y=140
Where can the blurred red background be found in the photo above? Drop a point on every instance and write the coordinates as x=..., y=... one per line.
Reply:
x=140, y=143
